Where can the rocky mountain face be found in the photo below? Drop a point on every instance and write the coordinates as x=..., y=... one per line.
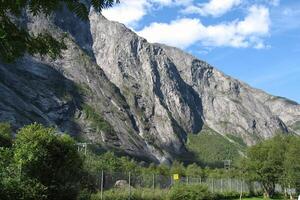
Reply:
x=113, y=88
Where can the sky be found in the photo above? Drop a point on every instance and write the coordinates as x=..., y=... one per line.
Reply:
x=256, y=41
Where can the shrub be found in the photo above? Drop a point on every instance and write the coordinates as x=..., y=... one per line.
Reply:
x=189, y=192
x=84, y=194
x=228, y=195
x=12, y=188
x=50, y=158
x=136, y=194
x=5, y=135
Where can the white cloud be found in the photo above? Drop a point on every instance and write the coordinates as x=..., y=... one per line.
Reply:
x=212, y=8
x=257, y=22
x=180, y=33
x=185, y=32
x=128, y=12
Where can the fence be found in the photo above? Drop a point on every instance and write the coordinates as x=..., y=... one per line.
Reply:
x=128, y=181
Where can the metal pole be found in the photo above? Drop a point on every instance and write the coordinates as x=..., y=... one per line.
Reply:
x=101, y=187
x=129, y=182
x=222, y=185
x=153, y=181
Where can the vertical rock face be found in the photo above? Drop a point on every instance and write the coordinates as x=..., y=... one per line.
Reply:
x=202, y=94
x=115, y=89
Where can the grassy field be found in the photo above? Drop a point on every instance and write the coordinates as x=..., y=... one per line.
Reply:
x=212, y=148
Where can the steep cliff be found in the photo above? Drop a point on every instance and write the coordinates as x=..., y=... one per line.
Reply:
x=113, y=88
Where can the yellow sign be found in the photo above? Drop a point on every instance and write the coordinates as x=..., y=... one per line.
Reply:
x=176, y=176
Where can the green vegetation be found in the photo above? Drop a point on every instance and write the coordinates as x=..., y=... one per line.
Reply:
x=41, y=164
x=16, y=41
x=237, y=140
x=260, y=198
x=97, y=121
x=189, y=192
x=5, y=135
x=136, y=194
x=212, y=148
x=274, y=161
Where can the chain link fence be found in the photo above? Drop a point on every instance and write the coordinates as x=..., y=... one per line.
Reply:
x=130, y=181
x=108, y=180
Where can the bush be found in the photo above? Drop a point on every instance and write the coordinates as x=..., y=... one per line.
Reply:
x=12, y=188
x=229, y=195
x=136, y=194
x=84, y=194
x=5, y=135
x=189, y=192
x=50, y=158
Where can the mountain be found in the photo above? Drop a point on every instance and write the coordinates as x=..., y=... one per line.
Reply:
x=116, y=90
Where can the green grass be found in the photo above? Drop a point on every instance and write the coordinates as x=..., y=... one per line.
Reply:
x=237, y=139
x=212, y=148
x=258, y=198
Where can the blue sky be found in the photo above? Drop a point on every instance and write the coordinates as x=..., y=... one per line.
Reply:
x=256, y=41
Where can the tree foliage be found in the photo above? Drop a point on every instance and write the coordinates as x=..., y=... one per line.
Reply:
x=41, y=164
x=275, y=161
x=5, y=135
x=15, y=40
x=291, y=164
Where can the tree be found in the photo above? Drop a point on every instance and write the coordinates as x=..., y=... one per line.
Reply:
x=15, y=41
x=177, y=168
x=194, y=170
x=264, y=163
x=5, y=135
x=50, y=158
x=291, y=175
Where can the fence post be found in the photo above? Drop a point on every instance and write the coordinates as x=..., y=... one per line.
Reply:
x=129, y=183
x=153, y=181
x=101, y=186
x=230, y=184
x=187, y=180
x=241, y=189
x=212, y=184
x=221, y=185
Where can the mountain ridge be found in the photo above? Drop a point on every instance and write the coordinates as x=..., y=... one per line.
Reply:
x=145, y=98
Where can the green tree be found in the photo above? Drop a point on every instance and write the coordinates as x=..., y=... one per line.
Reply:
x=50, y=158
x=5, y=135
x=177, y=168
x=194, y=170
x=15, y=41
x=264, y=163
x=291, y=175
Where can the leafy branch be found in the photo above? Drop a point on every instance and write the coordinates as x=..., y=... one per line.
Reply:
x=15, y=41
